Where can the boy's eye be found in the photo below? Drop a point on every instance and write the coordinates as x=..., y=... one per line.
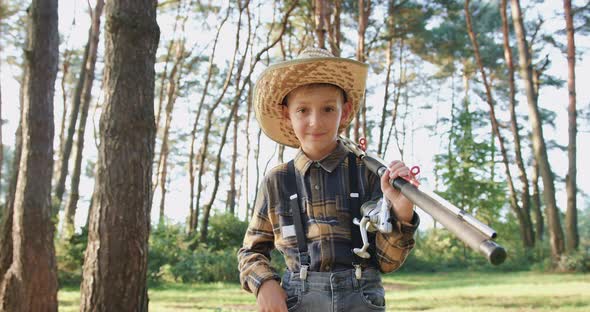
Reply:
x=301, y=110
x=329, y=109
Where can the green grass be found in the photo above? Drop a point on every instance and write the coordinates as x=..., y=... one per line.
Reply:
x=458, y=291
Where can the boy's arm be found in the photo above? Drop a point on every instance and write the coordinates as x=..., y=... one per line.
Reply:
x=393, y=248
x=254, y=256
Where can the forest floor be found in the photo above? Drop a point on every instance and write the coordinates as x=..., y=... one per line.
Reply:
x=457, y=291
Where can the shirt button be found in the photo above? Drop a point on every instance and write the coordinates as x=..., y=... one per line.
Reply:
x=317, y=187
x=317, y=165
x=327, y=268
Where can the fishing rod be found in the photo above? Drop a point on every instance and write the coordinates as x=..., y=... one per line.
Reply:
x=466, y=227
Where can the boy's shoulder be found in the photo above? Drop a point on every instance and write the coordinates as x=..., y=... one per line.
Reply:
x=277, y=174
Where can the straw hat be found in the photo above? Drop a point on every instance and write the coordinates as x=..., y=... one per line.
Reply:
x=311, y=66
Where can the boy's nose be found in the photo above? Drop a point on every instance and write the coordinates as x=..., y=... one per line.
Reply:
x=314, y=119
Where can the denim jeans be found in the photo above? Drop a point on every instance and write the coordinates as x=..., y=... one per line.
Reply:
x=334, y=291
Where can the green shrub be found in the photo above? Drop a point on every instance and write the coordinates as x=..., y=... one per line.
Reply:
x=206, y=265
x=575, y=262
x=70, y=258
x=225, y=231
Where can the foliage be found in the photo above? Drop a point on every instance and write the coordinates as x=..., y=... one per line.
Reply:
x=70, y=257
x=225, y=231
x=171, y=257
x=466, y=169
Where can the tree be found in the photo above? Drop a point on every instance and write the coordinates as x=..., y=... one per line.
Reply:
x=194, y=208
x=525, y=196
x=571, y=218
x=523, y=217
x=539, y=148
x=66, y=146
x=30, y=282
x=72, y=203
x=115, y=265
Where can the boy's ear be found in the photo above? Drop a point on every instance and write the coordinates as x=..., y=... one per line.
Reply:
x=346, y=109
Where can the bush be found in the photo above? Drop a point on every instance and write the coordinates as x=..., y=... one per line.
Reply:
x=206, y=265
x=575, y=262
x=70, y=258
x=226, y=231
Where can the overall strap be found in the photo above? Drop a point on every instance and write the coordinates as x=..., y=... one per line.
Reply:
x=356, y=212
x=295, y=207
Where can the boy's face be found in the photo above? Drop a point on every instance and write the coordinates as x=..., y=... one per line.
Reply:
x=315, y=113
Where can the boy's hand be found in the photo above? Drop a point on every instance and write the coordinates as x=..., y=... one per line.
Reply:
x=271, y=297
x=402, y=207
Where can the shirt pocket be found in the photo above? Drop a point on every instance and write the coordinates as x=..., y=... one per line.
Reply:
x=285, y=231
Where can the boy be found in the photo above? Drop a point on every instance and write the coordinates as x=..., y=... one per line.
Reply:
x=305, y=208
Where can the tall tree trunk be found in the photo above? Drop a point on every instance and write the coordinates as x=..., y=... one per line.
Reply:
x=388, y=65
x=72, y=203
x=540, y=150
x=526, y=203
x=364, y=7
x=526, y=229
x=571, y=214
x=63, y=163
x=396, y=96
x=30, y=283
x=205, y=144
x=536, y=197
x=247, y=162
x=334, y=34
x=171, y=96
x=1, y=144
x=321, y=21
x=8, y=214
x=257, y=162
x=231, y=198
x=115, y=263
x=62, y=128
x=194, y=209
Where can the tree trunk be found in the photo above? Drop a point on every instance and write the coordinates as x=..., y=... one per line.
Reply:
x=540, y=150
x=231, y=198
x=8, y=214
x=571, y=214
x=389, y=64
x=396, y=97
x=62, y=128
x=526, y=206
x=72, y=203
x=1, y=144
x=257, y=161
x=334, y=34
x=174, y=76
x=194, y=209
x=63, y=163
x=539, y=223
x=526, y=229
x=247, y=162
x=321, y=21
x=205, y=144
x=363, y=20
x=115, y=264
x=30, y=283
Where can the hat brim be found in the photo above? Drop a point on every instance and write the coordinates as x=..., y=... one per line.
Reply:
x=278, y=80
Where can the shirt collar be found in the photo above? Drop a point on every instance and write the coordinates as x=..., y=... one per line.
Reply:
x=328, y=163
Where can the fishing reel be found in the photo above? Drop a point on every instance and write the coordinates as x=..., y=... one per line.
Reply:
x=376, y=217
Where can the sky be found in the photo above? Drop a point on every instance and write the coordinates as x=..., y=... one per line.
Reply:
x=421, y=146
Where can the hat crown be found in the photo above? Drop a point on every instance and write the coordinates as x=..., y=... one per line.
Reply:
x=315, y=52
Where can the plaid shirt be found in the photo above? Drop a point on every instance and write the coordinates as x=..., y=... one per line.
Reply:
x=324, y=188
